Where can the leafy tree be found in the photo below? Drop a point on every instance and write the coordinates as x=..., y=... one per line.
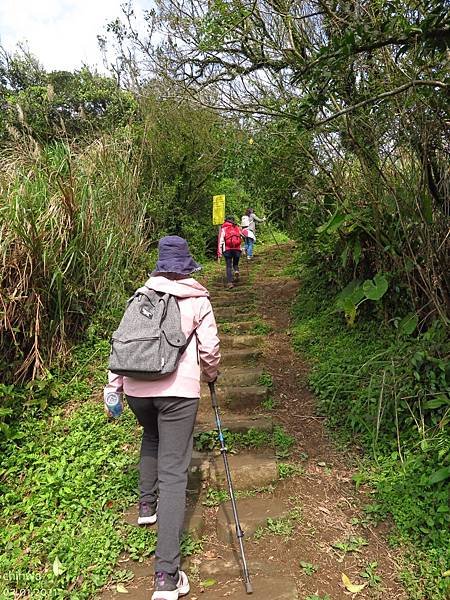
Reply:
x=368, y=81
x=48, y=106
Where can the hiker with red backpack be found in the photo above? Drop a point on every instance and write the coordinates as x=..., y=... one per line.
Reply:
x=167, y=337
x=229, y=246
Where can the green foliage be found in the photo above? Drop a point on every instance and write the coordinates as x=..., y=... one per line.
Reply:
x=68, y=477
x=369, y=573
x=390, y=391
x=308, y=568
x=269, y=403
x=209, y=440
x=66, y=245
x=79, y=219
x=215, y=497
x=283, y=526
x=282, y=441
x=287, y=470
x=352, y=544
x=261, y=328
x=356, y=292
x=68, y=473
x=51, y=106
x=351, y=153
x=37, y=398
x=190, y=546
x=265, y=379
x=252, y=438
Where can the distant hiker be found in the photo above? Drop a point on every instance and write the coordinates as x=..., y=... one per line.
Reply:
x=229, y=246
x=166, y=407
x=248, y=235
x=251, y=227
x=253, y=219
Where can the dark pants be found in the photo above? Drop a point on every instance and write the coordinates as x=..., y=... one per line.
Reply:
x=232, y=259
x=166, y=452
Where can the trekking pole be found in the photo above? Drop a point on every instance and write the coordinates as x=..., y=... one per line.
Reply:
x=223, y=451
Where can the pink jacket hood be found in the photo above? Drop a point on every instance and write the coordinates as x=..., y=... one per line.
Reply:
x=182, y=288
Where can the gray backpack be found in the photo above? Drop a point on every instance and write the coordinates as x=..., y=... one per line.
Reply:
x=149, y=341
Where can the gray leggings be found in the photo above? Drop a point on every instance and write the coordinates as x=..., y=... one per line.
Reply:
x=166, y=452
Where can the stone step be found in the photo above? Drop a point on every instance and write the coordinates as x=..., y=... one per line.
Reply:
x=231, y=300
x=237, y=376
x=235, y=423
x=194, y=522
x=240, y=341
x=222, y=285
x=248, y=471
x=222, y=277
x=240, y=357
x=237, y=327
x=264, y=588
x=235, y=313
x=242, y=291
x=238, y=398
x=253, y=513
x=199, y=471
x=227, y=566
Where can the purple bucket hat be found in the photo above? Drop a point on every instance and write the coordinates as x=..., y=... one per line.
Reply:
x=174, y=257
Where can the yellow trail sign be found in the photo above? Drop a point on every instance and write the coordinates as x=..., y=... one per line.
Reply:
x=218, y=209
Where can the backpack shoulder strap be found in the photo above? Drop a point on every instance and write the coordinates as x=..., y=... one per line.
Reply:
x=188, y=341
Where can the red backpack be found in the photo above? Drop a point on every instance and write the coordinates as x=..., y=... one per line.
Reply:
x=232, y=238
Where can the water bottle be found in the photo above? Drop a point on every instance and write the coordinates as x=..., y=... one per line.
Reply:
x=114, y=404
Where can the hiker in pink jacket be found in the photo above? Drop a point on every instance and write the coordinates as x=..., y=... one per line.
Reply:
x=167, y=408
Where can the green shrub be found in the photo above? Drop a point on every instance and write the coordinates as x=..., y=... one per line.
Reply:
x=390, y=392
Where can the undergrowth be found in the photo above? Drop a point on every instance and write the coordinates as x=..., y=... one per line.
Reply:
x=389, y=393
x=66, y=475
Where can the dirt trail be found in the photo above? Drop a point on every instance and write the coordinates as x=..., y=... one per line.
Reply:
x=298, y=507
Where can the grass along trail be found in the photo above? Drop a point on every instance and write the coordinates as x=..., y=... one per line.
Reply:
x=307, y=534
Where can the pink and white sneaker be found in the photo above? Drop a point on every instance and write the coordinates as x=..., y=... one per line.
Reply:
x=170, y=587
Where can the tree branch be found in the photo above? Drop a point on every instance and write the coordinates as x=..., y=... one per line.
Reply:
x=394, y=92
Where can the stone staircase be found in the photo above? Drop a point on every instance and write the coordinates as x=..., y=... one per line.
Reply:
x=240, y=395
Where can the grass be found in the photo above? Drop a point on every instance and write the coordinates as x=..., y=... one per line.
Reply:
x=265, y=379
x=389, y=393
x=66, y=475
x=308, y=568
x=269, y=403
x=283, y=526
x=260, y=327
x=252, y=438
x=288, y=470
x=69, y=479
x=215, y=497
x=65, y=246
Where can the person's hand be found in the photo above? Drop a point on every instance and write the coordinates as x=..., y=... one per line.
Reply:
x=208, y=380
